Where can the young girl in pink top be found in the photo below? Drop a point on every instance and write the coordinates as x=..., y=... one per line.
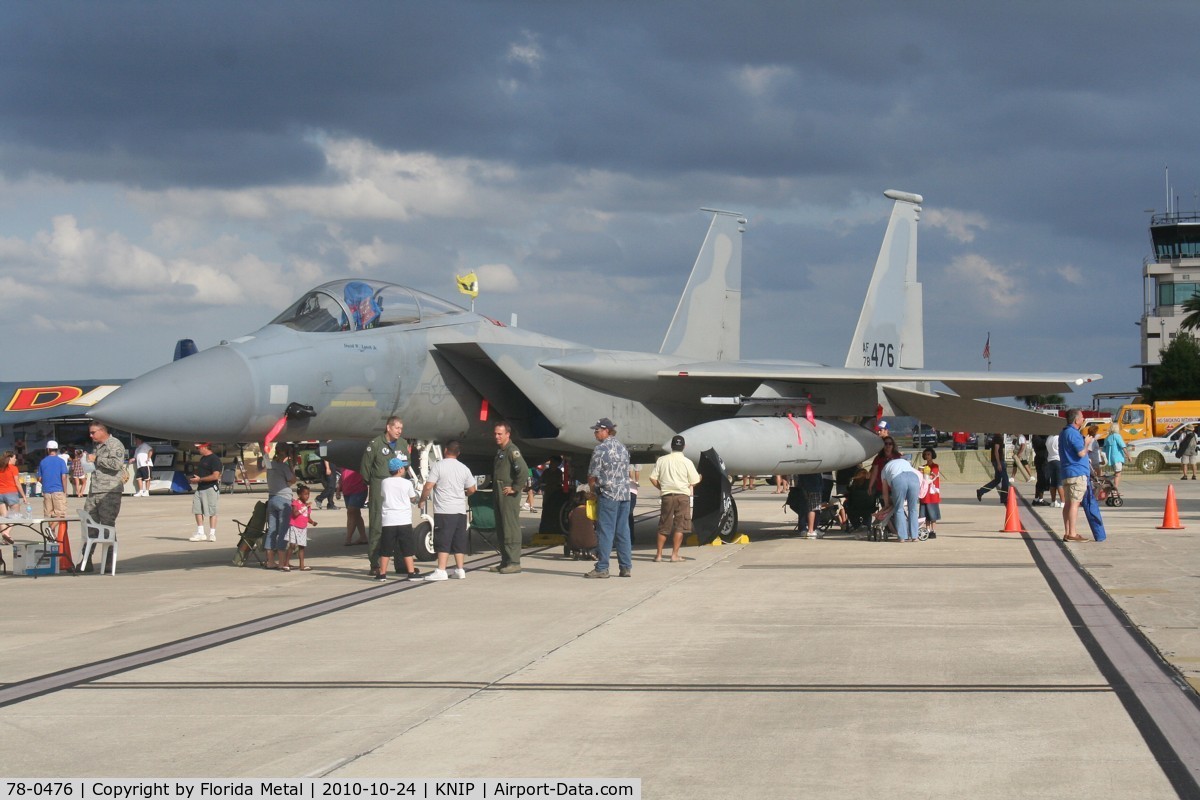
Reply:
x=297, y=535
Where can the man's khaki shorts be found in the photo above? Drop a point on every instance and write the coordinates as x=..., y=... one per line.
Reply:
x=1074, y=488
x=204, y=501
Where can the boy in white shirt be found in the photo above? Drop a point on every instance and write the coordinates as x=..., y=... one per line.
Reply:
x=397, y=535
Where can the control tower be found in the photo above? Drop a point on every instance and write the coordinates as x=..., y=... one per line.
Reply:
x=1169, y=279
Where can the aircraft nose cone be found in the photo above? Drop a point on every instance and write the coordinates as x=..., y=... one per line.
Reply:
x=205, y=397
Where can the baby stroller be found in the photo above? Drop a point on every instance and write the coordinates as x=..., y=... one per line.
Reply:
x=1106, y=490
x=828, y=514
x=880, y=529
x=832, y=516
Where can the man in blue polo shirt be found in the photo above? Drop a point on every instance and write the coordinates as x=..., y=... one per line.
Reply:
x=50, y=472
x=1073, y=455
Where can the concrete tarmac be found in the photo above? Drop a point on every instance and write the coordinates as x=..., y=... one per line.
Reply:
x=834, y=668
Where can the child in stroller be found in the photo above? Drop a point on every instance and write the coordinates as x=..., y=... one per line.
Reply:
x=1106, y=489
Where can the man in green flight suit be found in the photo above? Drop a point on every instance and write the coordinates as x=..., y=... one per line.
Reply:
x=382, y=449
x=509, y=477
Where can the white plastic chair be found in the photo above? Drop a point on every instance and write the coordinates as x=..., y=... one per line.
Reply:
x=95, y=534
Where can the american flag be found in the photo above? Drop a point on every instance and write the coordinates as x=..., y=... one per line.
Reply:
x=987, y=347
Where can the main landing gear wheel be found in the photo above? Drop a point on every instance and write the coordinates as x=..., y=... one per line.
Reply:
x=423, y=533
x=564, y=516
x=727, y=527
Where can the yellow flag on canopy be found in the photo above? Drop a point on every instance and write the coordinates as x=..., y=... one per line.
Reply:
x=468, y=284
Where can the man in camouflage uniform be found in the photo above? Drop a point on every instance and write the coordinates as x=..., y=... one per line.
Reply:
x=104, y=490
x=382, y=449
x=510, y=475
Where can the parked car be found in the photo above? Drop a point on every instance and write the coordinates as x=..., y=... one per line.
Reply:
x=1151, y=455
x=924, y=436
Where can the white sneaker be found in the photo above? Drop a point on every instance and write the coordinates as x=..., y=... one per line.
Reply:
x=524, y=506
x=212, y=537
x=1057, y=504
x=199, y=537
x=437, y=575
x=460, y=573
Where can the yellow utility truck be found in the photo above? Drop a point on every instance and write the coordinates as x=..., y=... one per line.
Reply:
x=1147, y=420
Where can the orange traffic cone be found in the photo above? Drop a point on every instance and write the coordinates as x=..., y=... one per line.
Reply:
x=1170, y=512
x=1012, y=516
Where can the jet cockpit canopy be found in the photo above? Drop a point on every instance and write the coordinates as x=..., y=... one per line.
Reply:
x=356, y=305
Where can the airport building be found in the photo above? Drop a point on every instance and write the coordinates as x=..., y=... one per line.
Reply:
x=1170, y=278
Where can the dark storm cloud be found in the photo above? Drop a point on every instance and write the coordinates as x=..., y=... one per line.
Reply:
x=1051, y=121
x=222, y=93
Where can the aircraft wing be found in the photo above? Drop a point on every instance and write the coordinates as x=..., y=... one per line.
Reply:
x=966, y=384
x=948, y=412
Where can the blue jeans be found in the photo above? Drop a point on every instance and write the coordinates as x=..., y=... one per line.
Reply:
x=1000, y=480
x=613, y=522
x=905, y=490
x=279, y=518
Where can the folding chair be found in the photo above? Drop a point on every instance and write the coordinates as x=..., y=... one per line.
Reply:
x=483, y=519
x=251, y=534
x=228, y=478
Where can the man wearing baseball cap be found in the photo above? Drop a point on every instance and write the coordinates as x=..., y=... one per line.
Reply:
x=50, y=472
x=208, y=488
x=674, y=476
x=608, y=478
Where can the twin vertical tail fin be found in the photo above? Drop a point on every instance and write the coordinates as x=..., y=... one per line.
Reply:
x=890, y=330
x=708, y=320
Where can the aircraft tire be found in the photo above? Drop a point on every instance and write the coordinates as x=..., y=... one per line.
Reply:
x=727, y=528
x=424, y=535
x=564, y=516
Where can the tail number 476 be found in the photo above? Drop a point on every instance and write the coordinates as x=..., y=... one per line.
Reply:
x=879, y=354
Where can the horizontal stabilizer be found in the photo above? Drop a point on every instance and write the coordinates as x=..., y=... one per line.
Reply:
x=948, y=412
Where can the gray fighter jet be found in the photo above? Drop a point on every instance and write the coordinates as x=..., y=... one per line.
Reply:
x=350, y=353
